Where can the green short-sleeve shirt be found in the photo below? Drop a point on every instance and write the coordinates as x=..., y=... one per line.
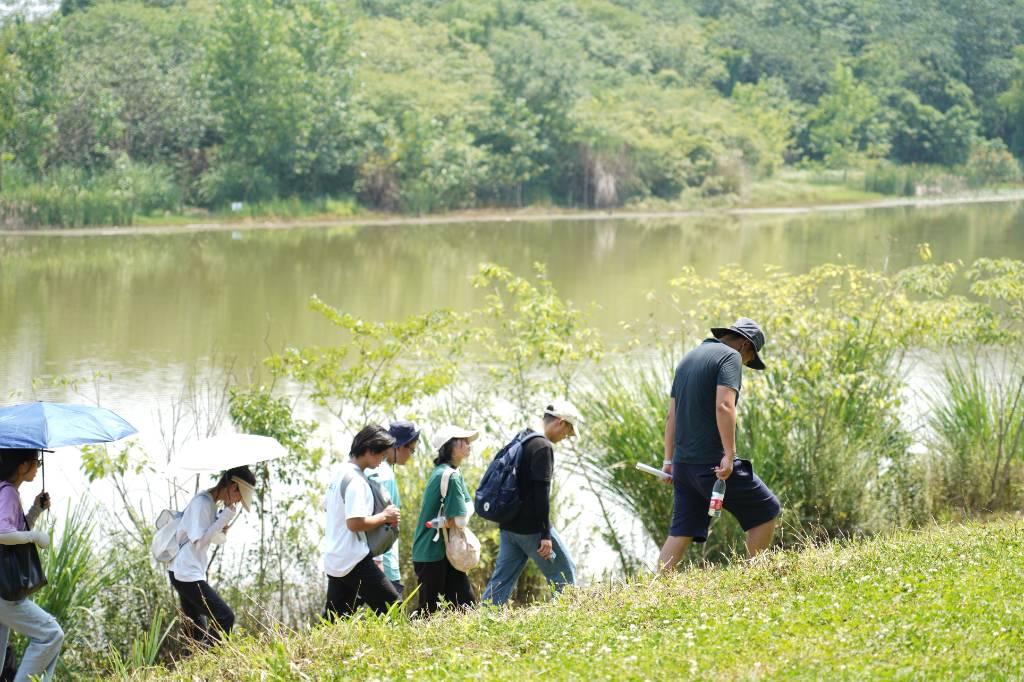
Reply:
x=423, y=546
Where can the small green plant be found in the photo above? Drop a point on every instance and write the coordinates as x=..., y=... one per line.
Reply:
x=143, y=650
x=379, y=367
x=535, y=343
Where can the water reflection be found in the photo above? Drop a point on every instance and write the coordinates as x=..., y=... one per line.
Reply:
x=134, y=304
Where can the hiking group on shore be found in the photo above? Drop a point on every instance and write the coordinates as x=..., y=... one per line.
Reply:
x=357, y=575
x=363, y=508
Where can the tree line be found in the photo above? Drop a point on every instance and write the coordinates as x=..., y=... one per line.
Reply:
x=422, y=106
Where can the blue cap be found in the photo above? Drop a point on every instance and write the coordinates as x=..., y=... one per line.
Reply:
x=403, y=432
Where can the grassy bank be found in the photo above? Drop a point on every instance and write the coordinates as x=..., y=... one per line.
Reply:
x=796, y=189
x=789, y=189
x=947, y=602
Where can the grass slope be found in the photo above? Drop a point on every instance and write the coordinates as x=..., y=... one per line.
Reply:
x=943, y=603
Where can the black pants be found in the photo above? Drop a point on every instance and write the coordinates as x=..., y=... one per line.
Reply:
x=364, y=584
x=200, y=603
x=439, y=579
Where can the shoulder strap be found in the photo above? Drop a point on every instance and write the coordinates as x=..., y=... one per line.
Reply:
x=343, y=486
x=530, y=434
x=345, y=480
x=445, y=478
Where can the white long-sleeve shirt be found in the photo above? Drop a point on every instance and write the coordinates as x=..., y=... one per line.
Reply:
x=200, y=522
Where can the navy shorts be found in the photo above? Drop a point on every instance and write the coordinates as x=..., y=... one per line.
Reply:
x=746, y=497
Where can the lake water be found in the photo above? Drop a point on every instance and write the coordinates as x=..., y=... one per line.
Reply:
x=147, y=309
x=144, y=306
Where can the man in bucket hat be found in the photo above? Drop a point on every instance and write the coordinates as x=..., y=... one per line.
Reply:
x=407, y=437
x=700, y=443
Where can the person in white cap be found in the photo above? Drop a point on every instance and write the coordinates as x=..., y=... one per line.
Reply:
x=529, y=535
x=201, y=525
x=439, y=580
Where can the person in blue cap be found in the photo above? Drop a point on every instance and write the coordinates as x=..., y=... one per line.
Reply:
x=407, y=437
x=700, y=443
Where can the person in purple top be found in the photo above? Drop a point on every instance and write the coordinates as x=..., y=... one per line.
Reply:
x=44, y=634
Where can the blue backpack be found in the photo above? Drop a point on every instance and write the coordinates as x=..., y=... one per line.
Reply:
x=497, y=497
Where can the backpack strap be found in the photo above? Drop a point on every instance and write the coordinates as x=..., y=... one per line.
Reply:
x=529, y=434
x=343, y=486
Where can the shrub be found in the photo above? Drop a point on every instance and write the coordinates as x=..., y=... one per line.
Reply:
x=991, y=163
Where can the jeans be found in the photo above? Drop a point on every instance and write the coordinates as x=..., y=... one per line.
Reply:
x=45, y=637
x=365, y=584
x=199, y=603
x=513, y=551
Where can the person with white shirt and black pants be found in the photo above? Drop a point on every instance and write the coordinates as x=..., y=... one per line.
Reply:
x=202, y=525
x=353, y=577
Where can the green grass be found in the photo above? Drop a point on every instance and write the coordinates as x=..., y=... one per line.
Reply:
x=793, y=187
x=944, y=603
x=325, y=209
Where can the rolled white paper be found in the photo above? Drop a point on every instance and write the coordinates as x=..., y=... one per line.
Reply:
x=651, y=470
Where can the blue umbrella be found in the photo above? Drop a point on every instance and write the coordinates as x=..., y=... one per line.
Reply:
x=44, y=426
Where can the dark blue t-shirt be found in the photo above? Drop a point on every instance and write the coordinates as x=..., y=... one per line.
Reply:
x=698, y=376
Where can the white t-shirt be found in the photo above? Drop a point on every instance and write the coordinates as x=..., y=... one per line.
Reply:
x=342, y=548
x=189, y=564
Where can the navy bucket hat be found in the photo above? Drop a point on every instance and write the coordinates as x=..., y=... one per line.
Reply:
x=403, y=432
x=749, y=330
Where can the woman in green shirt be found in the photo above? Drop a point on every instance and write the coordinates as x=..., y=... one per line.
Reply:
x=438, y=578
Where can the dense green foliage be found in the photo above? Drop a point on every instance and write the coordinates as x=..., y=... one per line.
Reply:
x=424, y=106
x=891, y=608
x=827, y=423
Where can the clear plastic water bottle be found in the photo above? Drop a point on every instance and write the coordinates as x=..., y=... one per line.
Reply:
x=436, y=522
x=717, y=499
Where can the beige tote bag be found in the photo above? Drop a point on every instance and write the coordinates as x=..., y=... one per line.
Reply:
x=460, y=544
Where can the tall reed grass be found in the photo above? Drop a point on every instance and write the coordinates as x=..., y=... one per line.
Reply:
x=74, y=198
x=976, y=424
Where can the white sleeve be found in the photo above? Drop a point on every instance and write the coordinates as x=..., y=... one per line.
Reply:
x=17, y=537
x=463, y=521
x=358, y=499
x=197, y=518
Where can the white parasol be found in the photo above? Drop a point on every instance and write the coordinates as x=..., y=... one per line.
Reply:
x=227, y=451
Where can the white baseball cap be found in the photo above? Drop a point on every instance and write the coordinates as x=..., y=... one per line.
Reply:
x=563, y=409
x=446, y=433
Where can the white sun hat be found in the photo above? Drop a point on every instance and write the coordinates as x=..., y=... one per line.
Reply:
x=446, y=433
